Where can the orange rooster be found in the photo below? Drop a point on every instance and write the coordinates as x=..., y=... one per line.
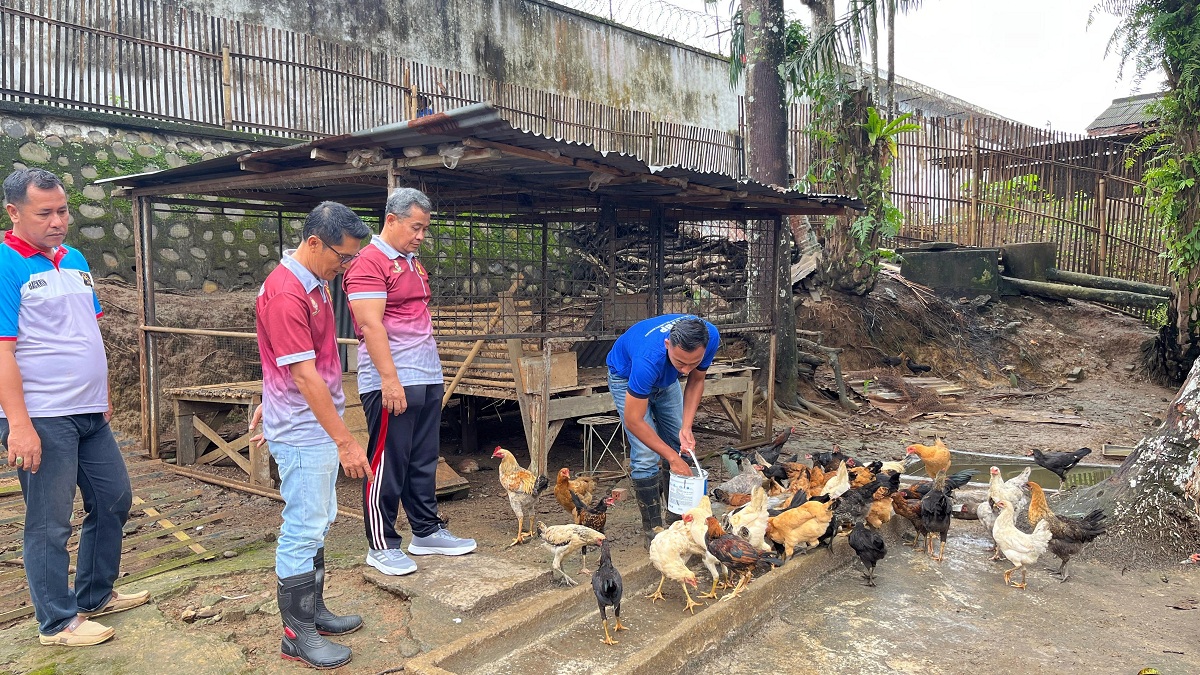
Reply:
x=936, y=457
x=582, y=486
x=523, y=488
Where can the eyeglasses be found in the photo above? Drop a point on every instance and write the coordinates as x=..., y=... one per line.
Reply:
x=343, y=258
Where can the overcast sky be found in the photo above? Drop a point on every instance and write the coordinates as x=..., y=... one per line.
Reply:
x=1035, y=61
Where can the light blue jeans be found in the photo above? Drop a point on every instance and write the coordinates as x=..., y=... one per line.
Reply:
x=308, y=476
x=664, y=414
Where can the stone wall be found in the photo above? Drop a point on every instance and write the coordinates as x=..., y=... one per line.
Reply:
x=532, y=43
x=194, y=248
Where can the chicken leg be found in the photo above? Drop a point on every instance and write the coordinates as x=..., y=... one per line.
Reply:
x=657, y=594
x=737, y=590
x=1061, y=572
x=608, y=638
x=690, y=602
x=557, y=564
x=1008, y=577
x=520, y=533
x=711, y=594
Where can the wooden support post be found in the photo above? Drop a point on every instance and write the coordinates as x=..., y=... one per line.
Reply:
x=516, y=350
x=468, y=411
x=1101, y=267
x=260, y=457
x=227, y=86
x=769, y=429
x=747, y=410
x=139, y=261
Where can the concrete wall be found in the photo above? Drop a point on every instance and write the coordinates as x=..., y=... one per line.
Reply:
x=527, y=42
x=195, y=248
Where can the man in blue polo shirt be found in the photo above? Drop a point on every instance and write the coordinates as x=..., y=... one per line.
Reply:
x=54, y=411
x=644, y=367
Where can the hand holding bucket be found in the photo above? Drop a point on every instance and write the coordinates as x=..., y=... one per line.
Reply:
x=684, y=492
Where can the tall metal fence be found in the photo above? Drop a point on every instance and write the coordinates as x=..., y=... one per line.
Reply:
x=976, y=181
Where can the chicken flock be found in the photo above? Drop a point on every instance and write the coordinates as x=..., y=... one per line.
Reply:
x=778, y=506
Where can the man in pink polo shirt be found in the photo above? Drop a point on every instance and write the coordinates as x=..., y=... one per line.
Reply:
x=302, y=421
x=400, y=384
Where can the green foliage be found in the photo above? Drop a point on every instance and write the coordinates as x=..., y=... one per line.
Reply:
x=879, y=128
x=1165, y=34
x=796, y=41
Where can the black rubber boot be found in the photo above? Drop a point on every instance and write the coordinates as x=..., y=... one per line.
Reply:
x=326, y=621
x=301, y=642
x=664, y=484
x=648, y=495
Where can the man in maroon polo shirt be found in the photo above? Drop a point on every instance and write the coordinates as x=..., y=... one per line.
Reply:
x=302, y=421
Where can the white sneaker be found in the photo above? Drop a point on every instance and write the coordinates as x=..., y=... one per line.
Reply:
x=391, y=561
x=440, y=543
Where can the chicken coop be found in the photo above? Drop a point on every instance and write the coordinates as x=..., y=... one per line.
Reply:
x=541, y=252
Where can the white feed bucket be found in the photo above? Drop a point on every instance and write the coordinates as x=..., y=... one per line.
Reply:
x=684, y=492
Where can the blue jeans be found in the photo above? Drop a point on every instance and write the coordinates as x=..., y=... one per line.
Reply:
x=664, y=414
x=308, y=476
x=77, y=450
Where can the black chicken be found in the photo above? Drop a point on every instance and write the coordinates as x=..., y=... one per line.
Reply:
x=891, y=361
x=767, y=455
x=606, y=583
x=869, y=546
x=936, y=508
x=955, y=481
x=855, y=503
x=829, y=461
x=1059, y=463
x=916, y=368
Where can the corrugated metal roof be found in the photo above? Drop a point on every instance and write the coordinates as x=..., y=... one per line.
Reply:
x=500, y=157
x=1127, y=112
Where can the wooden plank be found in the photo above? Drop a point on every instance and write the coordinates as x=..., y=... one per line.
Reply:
x=167, y=523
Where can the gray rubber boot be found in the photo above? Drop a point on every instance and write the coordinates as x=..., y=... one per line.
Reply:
x=301, y=642
x=649, y=498
x=327, y=622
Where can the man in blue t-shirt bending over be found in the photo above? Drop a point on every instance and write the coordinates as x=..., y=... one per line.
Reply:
x=644, y=367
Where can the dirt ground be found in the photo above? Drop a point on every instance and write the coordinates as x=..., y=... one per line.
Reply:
x=1041, y=341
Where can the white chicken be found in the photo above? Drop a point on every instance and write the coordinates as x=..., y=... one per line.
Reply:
x=838, y=485
x=697, y=526
x=750, y=521
x=669, y=552
x=564, y=540
x=1011, y=491
x=1021, y=549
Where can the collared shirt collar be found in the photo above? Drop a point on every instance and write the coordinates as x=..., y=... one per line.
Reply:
x=28, y=250
x=387, y=249
x=307, y=278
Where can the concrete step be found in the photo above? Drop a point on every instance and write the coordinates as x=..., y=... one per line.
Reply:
x=561, y=631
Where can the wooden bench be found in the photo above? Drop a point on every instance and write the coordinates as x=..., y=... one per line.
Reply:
x=204, y=409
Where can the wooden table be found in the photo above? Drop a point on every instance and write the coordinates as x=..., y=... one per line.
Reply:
x=205, y=409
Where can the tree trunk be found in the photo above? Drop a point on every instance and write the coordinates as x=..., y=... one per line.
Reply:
x=823, y=12
x=1151, y=499
x=891, y=58
x=766, y=161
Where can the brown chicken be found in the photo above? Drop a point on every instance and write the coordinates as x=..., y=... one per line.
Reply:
x=860, y=476
x=582, y=486
x=881, y=508
x=910, y=510
x=1070, y=535
x=731, y=499
x=936, y=457
x=523, y=488
x=736, y=554
x=802, y=525
x=594, y=516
